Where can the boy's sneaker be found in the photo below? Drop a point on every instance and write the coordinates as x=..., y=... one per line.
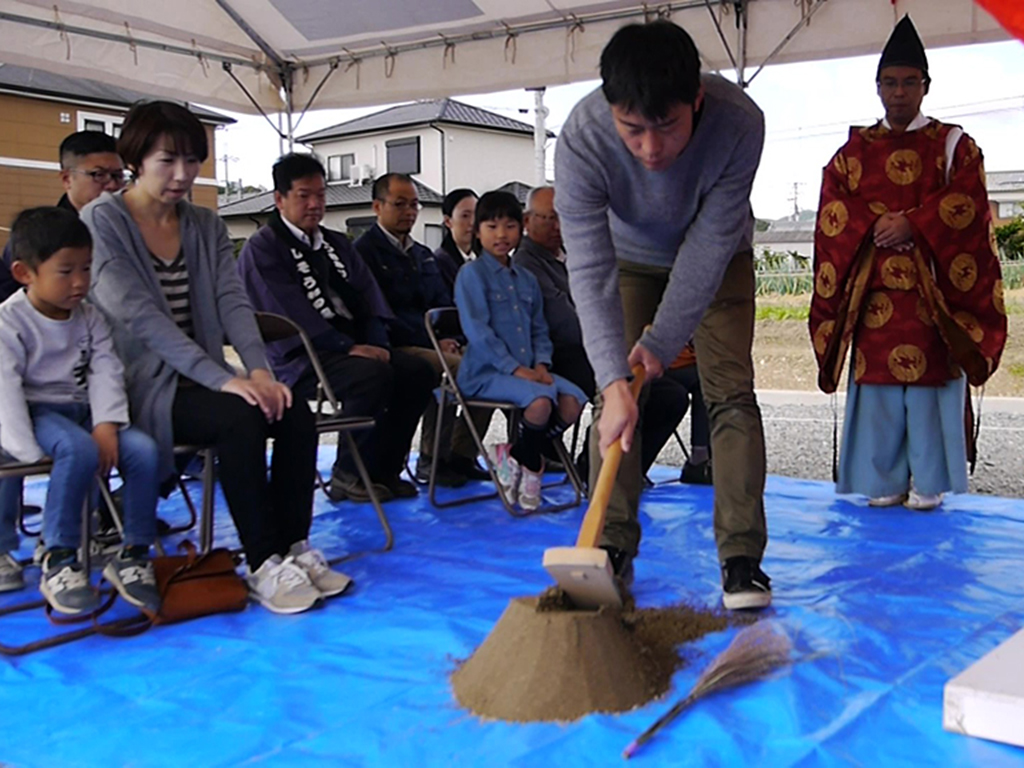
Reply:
x=312, y=561
x=529, y=489
x=12, y=577
x=282, y=586
x=923, y=502
x=65, y=584
x=507, y=470
x=744, y=584
x=131, y=573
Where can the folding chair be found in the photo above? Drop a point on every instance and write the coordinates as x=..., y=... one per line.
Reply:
x=449, y=390
x=11, y=469
x=279, y=328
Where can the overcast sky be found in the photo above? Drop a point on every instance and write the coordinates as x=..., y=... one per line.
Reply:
x=808, y=108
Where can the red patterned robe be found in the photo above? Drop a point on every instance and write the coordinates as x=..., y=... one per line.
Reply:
x=918, y=316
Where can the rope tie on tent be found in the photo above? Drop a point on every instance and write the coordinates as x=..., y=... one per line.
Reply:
x=449, y=50
x=389, y=60
x=63, y=33
x=354, y=61
x=131, y=43
x=203, y=63
x=510, y=42
x=576, y=28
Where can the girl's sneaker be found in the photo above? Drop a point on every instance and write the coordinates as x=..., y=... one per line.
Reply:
x=529, y=489
x=507, y=470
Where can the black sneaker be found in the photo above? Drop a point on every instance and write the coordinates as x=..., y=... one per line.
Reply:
x=696, y=474
x=744, y=584
x=467, y=467
x=131, y=574
x=622, y=563
x=446, y=476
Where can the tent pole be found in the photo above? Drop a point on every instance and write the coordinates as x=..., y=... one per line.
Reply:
x=290, y=106
x=540, y=137
x=804, y=22
x=741, y=23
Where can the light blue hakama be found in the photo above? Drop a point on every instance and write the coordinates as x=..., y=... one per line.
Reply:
x=893, y=433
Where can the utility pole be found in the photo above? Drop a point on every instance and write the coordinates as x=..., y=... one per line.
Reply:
x=796, y=200
x=540, y=137
x=226, y=158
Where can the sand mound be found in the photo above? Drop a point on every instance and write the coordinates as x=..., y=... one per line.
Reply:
x=545, y=662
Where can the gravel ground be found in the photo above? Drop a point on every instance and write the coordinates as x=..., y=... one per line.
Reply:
x=798, y=442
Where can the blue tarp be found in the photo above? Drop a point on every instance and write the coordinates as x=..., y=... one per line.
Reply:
x=891, y=604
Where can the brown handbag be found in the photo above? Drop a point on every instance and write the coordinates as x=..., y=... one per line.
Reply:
x=193, y=585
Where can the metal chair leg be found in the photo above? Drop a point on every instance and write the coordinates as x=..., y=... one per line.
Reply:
x=364, y=475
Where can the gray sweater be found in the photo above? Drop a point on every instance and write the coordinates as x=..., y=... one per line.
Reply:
x=691, y=218
x=43, y=360
x=125, y=287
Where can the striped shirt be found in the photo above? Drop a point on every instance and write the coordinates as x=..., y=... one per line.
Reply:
x=173, y=277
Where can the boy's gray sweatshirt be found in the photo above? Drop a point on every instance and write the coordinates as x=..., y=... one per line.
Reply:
x=43, y=360
x=690, y=218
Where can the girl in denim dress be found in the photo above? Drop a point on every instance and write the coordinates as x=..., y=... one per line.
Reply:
x=509, y=350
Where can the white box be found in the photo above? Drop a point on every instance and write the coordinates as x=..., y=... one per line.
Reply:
x=987, y=699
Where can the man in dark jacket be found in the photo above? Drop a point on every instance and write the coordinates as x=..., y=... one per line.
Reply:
x=541, y=252
x=312, y=275
x=412, y=283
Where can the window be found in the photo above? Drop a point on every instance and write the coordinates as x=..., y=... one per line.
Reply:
x=339, y=167
x=110, y=124
x=433, y=234
x=355, y=226
x=404, y=155
x=1009, y=210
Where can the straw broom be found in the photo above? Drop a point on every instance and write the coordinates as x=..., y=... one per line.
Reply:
x=756, y=651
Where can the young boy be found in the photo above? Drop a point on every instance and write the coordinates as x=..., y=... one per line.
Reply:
x=62, y=395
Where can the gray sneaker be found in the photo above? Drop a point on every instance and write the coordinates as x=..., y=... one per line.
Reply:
x=313, y=562
x=65, y=584
x=282, y=586
x=11, y=575
x=131, y=573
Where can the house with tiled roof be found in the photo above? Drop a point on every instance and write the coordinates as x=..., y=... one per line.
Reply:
x=39, y=109
x=442, y=143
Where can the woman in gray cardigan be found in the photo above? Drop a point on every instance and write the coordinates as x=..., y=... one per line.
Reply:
x=165, y=277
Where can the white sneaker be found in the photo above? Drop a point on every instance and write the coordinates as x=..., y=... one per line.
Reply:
x=282, y=586
x=887, y=501
x=12, y=576
x=923, y=502
x=530, y=489
x=313, y=562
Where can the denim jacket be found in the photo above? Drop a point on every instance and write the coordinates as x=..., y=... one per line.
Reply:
x=502, y=315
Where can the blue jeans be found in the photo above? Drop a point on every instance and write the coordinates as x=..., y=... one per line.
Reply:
x=10, y=500
x=63, y=431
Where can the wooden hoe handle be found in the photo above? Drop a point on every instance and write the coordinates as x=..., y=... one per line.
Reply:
x=593, y=521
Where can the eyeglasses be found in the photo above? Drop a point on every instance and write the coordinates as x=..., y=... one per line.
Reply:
x=909, y=84
x=405, y=205
x=101, y=176
x=548, y=217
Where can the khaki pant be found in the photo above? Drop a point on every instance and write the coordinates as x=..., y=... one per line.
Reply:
x=723, y=342
x=456, y=439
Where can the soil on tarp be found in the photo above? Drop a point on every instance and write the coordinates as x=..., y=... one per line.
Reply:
x=546, y=661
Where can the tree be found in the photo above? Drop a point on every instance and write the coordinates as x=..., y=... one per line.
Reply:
x=1010, y=239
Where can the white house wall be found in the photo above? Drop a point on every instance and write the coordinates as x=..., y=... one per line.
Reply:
x=484, y=160
x=242, y=227
x=371, y=150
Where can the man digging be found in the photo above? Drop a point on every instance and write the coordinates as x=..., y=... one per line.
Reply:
x=653, y=175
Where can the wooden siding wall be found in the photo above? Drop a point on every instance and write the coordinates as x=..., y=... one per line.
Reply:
x=31, y=129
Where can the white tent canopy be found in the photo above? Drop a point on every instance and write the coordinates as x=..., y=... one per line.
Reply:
x=280, y=55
